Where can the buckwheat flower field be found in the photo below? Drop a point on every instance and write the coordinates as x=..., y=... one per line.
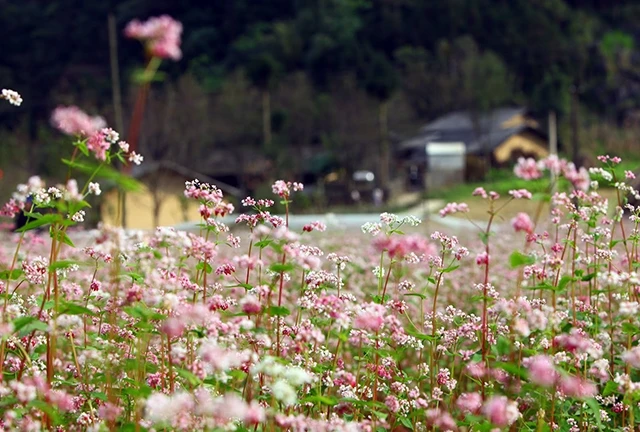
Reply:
x=530, y=325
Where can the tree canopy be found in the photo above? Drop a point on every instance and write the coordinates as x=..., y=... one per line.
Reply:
x=427, y=57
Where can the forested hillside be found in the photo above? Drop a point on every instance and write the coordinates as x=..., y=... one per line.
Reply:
x=275, y=77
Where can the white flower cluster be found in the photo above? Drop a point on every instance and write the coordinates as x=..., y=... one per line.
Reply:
x=286, y=378
x=12, y=96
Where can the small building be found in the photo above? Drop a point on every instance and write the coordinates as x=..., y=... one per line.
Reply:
x=161, y=200
x=462, y=146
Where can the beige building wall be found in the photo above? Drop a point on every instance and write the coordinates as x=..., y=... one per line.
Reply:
x=174, y=209
x=525, y=142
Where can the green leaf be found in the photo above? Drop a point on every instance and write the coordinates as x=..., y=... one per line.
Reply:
x=243, y=285
x=142, y=312
x=630, y=329
x=13, y=275
x=82, y=146
x=62, y=264
x=189, y=376
x=610, y=388
x=45, y=408
x=588, y=277
x=381, y=415
x=99, y=395
x=484, y=237
x=26, y=324
x=422, y=336
x=204, y=266
x=281, y=268
x=75, y=309
x=546, y=286
x=415, y=294
x=517, y=259
x=106, y=172
x=594, y=407
x=47, y=219
x=320, y=400
x=503, y=345
x=406, y=423
x=34, y=325
x=512, y=369
x=450, y=269
x=22, y=321
x=143, y=391
x=136, y=277
x=564, y=281
x=64, y=238
x=380, y=300
x=263, y=243
x=278, y=311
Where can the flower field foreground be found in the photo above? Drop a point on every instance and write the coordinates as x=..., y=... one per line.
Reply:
x=533, y=325
x=520, y=329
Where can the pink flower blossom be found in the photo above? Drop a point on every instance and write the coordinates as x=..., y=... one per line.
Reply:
x=441, y=420
x=161, y=35
x=482, y=259
x=479, y=191
x=98, y=144
x=501, y=411
x=283, y=189
x=317, y=226
x=542, y=370
x=371, y=318
x=577, y=387
x=173, y=327
x=400, y=246
x=469, y=402
x=73, y=121
x=453, y=207
x=527, y=169
x=632, y=357
x=109, y=412
x=251, y=304
x=520, y=194
x=522, y=222
x=579, y=178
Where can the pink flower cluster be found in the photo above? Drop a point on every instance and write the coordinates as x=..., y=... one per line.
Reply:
x=283, y=189
x=160, y=34
x=529, y=169
x=522, y=222
x=453, y=207
x=401, y=246
x=72, y=120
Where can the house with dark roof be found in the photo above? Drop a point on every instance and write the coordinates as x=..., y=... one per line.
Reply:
x=462, y=145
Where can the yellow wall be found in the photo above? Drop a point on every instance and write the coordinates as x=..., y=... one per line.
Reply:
x=525, y=142
x=519, y=120
x=139, y=209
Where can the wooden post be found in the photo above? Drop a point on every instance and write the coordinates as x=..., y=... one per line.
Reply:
x=116, y=94
x=553, y=148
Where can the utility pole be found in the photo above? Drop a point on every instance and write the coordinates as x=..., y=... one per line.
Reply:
x=553, y=149
x=116, y=94
x=575, y=141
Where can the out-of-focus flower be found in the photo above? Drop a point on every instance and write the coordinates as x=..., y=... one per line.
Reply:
x=527, y=169
x=501, y=411
x=72, y=120
x=160, y=34
x=522, y=222
x=541, y=370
